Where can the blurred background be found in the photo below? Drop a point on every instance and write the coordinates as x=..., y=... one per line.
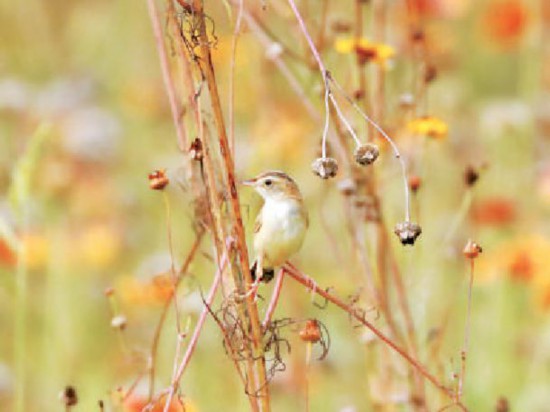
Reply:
x=84, y=118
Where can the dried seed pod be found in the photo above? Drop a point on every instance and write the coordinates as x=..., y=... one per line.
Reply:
x=471, y=176
x=414, y=183
x=68, y=396
x=408, y=232
x=472, y=249
x=366, y=154
x=195, y=150
x=502, y=405
x=325, y=167
x=119, y=322
x=311, y=331
x=158, y=179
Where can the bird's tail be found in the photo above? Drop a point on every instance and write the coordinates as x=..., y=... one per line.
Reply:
x=267, y=273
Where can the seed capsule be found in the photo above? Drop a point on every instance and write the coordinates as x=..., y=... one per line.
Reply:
x=366, y=154
x=325, y=167
x=407, y=232
x=158, y=179
x=68, y=396
x=311, y=331
x=414, y=183
x=472, y=249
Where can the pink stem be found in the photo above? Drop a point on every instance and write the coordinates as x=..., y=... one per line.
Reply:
x=196, y=334
x=274, y=298
x=166, y=76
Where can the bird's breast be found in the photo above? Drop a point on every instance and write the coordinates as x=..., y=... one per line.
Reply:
x=282, y=231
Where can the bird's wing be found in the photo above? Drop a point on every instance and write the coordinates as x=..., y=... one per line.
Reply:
x=258, y=223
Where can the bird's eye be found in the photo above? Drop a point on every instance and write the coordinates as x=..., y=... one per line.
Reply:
x=268, y=182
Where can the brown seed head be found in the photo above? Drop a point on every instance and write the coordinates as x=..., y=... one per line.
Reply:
x=68, y=396
x=109, y=291
x=472, y=249
x=414, y=183
x=430, y=74
x=158, y=179
x=471, y=176
x=325, y=167
x=311, y=331
x=195, y=150
x=366, y=154
x=407, y=232
x=502, y=405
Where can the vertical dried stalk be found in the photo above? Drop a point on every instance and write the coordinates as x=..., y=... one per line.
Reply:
x=237, y=224
x=166, y=75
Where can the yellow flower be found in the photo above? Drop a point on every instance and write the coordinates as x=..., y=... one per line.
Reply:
x=99, y=246
x=365, y=50
x=36, y=249
x=429, y=126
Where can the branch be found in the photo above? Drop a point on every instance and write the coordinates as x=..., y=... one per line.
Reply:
x=306, y=281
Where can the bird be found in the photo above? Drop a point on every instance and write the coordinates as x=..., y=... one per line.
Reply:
x=281, y=224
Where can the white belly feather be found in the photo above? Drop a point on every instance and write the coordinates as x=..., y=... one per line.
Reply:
x=281, y=233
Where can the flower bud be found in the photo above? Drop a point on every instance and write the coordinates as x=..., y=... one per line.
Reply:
x=407, y=232
x=366, y=154
x=325, y=167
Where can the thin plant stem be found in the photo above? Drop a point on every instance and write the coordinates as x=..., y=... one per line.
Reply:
x=464, y=351
x=344, y=120
x=234, y=41
x=166, y=75
x=394, y=147
x=308, y=283
x=171, y=252
x=160, y=324
x=196, y=334
x=308, y=364
x=274, y=299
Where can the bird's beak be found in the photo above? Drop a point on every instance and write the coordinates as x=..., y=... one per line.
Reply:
x=249, y=182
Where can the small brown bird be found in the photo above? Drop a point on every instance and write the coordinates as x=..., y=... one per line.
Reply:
x=281, y=224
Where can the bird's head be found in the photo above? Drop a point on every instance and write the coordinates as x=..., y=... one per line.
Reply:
x=275, y=185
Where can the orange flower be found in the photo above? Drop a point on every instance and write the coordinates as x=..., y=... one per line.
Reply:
x=8, y=256
x=523, y=259
x=494, y=211
x=153, y=292
x=504, y=22
x=365, y=50
x=429, y=126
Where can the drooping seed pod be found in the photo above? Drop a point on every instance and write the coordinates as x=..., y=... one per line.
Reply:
x=407, y=232
x=472, y=249
x=158, y=179
x=325, y=167
x=311, y=331
x=366, y=154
